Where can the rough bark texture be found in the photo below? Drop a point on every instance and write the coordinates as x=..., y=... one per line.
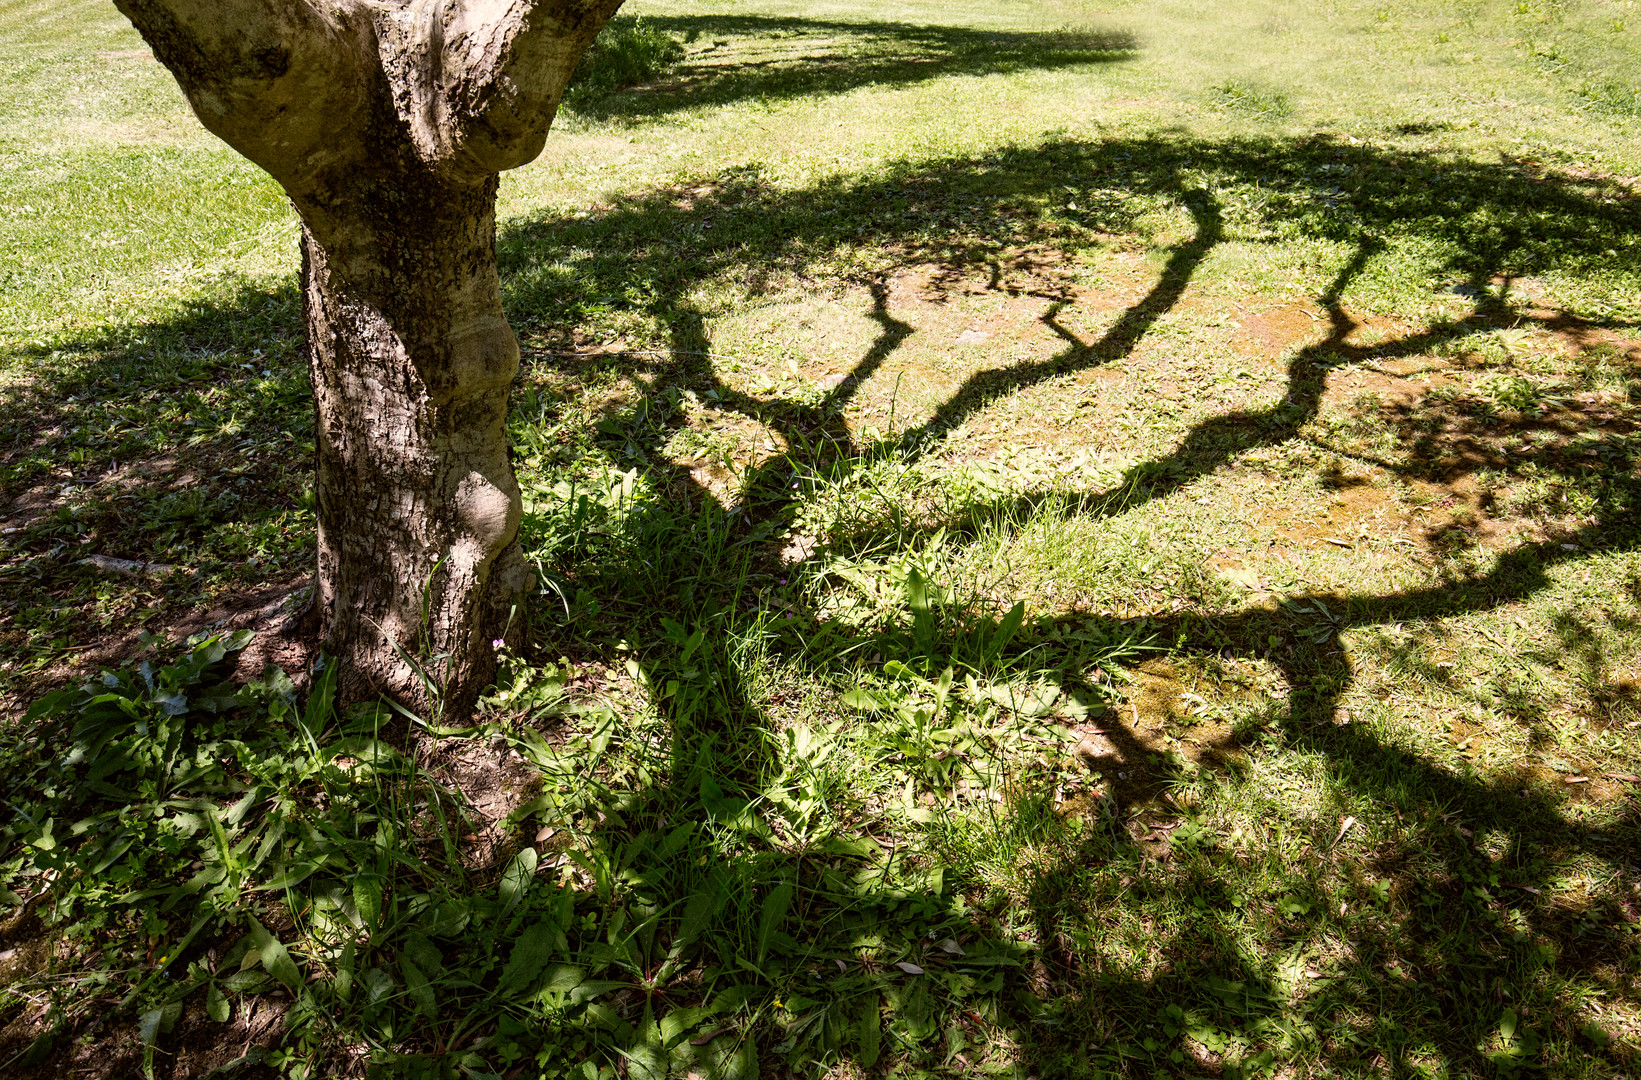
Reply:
x=387, y=121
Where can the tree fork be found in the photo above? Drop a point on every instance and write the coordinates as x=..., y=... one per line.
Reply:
x=387, y=122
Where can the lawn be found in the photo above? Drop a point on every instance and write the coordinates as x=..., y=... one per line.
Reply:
x=1075, y=541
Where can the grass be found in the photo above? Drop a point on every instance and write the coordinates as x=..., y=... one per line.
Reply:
x=1074, y=543
x=627, y=53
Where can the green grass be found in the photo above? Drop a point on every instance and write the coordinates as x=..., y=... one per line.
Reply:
x=627, y=53
x=1075, y=542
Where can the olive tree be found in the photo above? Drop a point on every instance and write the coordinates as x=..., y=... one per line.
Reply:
x=387, y=123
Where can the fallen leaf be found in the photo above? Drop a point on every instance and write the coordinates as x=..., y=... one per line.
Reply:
x=950, y=945
x=546, y=833
x=1344, y=827
x=910, y=969
x=1575, y=780
x=1628, y=778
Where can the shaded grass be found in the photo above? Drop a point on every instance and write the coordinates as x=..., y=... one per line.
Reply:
x=627, y=53
x=802, y=57
x=168, y=445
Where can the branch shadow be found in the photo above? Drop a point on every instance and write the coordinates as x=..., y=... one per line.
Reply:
x=703, y=557
x=669, y=250
x=1450, y=959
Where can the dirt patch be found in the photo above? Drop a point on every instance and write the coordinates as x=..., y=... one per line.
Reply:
x=1134, y=748
x=29, y=507
x=1399, y=386
x=1283, y=330
x=25, y=948
x=1155, y=697
x=1576, y=336
x=494, y=781
x=266, y=611
x=1588, y=785
x=1357, y=510
x=1027, y=273
x=38, y=1046
x=97, y=1048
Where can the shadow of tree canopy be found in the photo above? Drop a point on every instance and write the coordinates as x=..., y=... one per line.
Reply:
x=1476, y=922
x=1474, y=855
x=168, y=443
x=648, y=254
x=801, y=57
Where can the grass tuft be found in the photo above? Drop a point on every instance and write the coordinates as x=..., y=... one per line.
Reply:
x=626, y=53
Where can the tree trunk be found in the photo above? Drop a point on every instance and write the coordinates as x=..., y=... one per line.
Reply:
x=411, y=358
x=387, y=122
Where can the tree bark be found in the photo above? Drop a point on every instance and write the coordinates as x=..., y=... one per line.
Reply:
x=411, y=359
x=387, y=121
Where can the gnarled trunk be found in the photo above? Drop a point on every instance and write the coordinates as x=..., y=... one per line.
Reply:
x=411, y=359
x=387, y=121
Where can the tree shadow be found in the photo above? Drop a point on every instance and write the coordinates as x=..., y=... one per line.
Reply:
x=801, y=57
x=1474, y=918
x=148, y=470
x=1460, y=954
x=761, y=232
x=1470, y=869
